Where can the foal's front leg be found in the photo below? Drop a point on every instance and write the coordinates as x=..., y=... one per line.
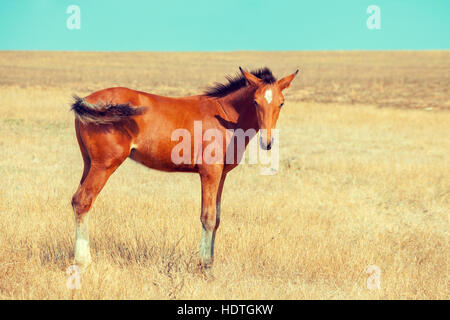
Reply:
x=218, y=208
x=211, y=181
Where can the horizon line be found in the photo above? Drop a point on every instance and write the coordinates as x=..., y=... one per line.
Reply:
x=223, y=51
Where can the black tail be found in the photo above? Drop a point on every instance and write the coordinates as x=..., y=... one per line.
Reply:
x=103, y=114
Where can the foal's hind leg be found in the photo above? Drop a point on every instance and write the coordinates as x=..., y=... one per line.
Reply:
x=218, y=208
x=99, y=163
x=81, y=202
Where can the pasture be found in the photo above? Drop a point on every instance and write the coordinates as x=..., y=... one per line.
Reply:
x=364, y=179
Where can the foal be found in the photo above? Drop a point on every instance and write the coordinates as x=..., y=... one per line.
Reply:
x=116, y=123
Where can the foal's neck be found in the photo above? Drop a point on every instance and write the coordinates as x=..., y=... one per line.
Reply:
x=240, y=109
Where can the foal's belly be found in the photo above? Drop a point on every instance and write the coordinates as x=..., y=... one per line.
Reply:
x=159, y=160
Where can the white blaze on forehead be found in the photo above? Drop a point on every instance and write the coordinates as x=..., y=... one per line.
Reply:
x=268, y=96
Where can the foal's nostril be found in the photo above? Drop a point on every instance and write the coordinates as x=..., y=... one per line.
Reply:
x=265, y=146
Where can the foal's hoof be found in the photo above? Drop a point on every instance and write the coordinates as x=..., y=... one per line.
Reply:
x=83, y=264
x=83, y=267
x=205, y=264
x=206, y=270
x=82, y=258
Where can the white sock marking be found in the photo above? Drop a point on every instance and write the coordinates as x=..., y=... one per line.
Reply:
x=205, y=246
x=82, y=251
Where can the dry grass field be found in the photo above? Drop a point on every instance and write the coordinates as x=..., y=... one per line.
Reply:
x=364, y=180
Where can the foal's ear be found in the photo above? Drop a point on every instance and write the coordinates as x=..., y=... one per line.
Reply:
x=286, y=81
x=251, y=79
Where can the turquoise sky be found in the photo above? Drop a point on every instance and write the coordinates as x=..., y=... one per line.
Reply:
x=209, y=25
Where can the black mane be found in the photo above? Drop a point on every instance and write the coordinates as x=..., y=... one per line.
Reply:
x=238, y=81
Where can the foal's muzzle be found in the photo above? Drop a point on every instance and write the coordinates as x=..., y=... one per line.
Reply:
x=264, y=145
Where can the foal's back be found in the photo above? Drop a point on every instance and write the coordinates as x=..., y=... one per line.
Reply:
x=147, y=136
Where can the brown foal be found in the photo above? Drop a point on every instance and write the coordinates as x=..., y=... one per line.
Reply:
x=116, y=123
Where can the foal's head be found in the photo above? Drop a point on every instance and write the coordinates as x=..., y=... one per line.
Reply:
x=268, y=100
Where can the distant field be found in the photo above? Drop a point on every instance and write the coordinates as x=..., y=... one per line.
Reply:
x=358, y=185
x=399, y=79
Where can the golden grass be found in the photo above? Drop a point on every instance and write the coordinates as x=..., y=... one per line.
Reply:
x=358, y=185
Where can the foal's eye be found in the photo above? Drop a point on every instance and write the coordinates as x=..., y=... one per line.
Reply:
x=255, y=103
x=281, y=104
